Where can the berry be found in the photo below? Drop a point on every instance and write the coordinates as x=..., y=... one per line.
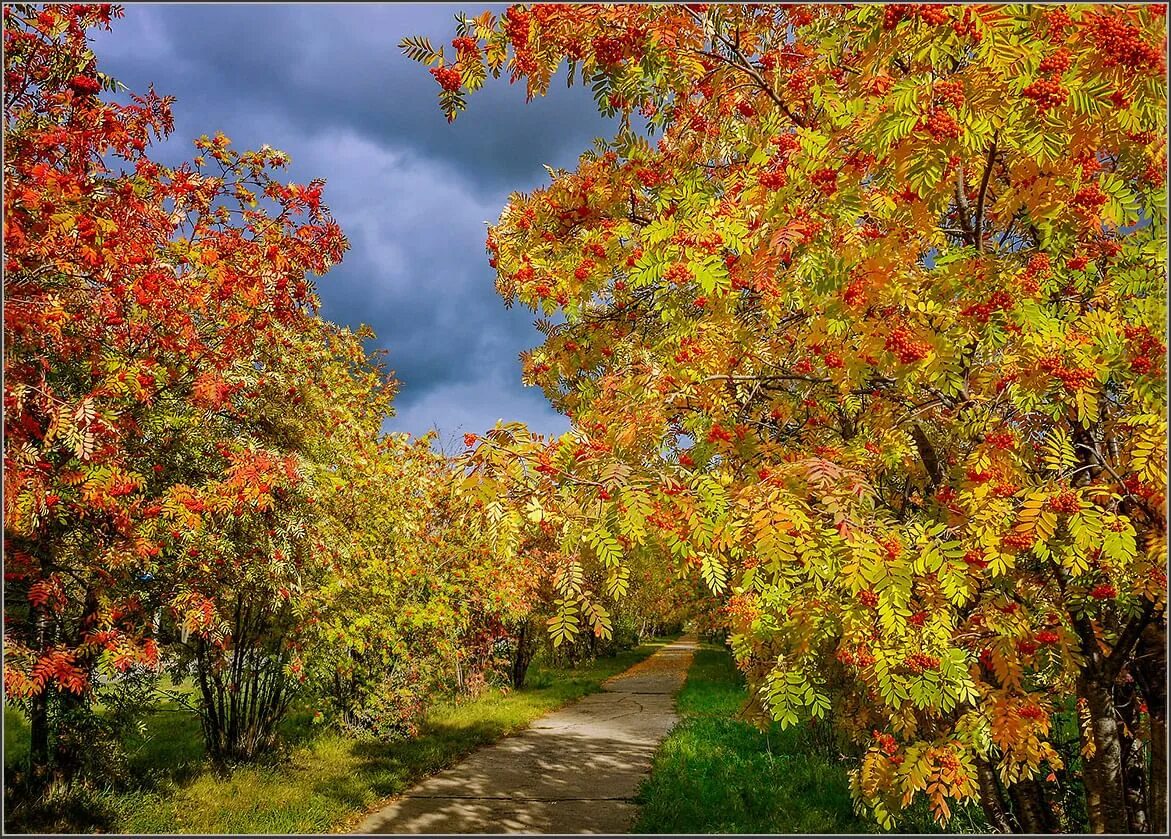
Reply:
x=1056, y=63
x=1103, y=591
x=1046, y=93
x=1000, y=440
x=940, y=125
x=773, y=178
x=919, y=662
x=975, y=558
x=906, y=347
x=1018, y=540
x=1121, y=44
x=1089, y=198
x=1048, y=637
x=950, y=91
x=679, y=274
x=449, y=78
x=826, y=180
x=84, y=85
x=1065, y=502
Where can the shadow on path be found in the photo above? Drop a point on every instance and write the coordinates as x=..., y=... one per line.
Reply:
x=576, y=770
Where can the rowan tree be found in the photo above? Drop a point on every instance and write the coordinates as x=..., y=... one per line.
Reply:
x=155, y=327
x=872, y=337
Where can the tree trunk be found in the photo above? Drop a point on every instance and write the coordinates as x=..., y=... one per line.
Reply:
x=1104, y=770
x=1134, y=755
x=1150, y=674
x=526, y=647
x=991, y=800
x=1158, y=790
x=1026, y=809
x=39, y=757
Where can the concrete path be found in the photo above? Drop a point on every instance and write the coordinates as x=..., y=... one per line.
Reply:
x=575, y=770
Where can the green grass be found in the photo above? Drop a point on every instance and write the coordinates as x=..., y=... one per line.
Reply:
x=716, y=774
x=324, y=780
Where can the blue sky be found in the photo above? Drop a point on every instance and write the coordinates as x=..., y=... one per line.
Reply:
x=326, y=84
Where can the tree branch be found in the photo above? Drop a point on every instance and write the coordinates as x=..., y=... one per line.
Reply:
x=978, y=224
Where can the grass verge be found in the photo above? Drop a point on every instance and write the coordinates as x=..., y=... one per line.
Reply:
x=325, y=781
x=716, y=774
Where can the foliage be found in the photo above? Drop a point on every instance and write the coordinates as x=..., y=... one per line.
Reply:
x=872, y=340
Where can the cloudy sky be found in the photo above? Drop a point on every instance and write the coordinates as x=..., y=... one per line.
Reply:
x=327, y=84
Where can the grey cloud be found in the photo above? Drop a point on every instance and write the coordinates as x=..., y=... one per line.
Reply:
x=327, y=84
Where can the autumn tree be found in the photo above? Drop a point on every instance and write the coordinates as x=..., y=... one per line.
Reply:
x=871, y=337
x=155, y=319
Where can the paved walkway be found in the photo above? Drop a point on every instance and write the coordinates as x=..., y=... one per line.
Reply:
x=575, y=770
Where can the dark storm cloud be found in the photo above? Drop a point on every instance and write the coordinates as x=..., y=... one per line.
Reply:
x=326, y=84
x=324, y=67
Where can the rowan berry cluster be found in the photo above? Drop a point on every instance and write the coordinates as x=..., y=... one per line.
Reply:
x=1000, y=439
x=940, y=125
x=1089, y=198
x=868, y=598
x=1048, y=637
x=918, y=619
x=717, y=433
x=608, y=51
x=1037, y=268
x=975, y=558
x=1065, y=502
x=826, y=180
x=689, y=348
x=855, y=292
x=1075, y=379
x=886, y=743
x=895, y=13
x=449, y=78
x=933, y=14
x=1032, y=712
x=1026, y=647
x=583, y=269
x=1145, y=348
x=798, y=84
x=950, y=91
x=999, y=301
x=1018, y=540
x=1056, y=63
x=679, y=274
x=84, y=85
x=920, y=662
x=465, y=44
x=906, y=347
x=1058, y=20
x=1103, y=591
x=773, y=178
x=966, y=25
x=1046, y=93
x=1121, y=44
